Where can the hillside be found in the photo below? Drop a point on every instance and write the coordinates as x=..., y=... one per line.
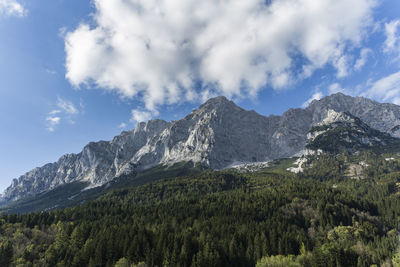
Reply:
x=223, y=218
x=341, y=131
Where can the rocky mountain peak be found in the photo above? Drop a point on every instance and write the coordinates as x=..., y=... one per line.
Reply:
x=341, y=131
x=218, y=104
x=218, y=134
x=336, y=100
x=382, y=116
x=216, y=101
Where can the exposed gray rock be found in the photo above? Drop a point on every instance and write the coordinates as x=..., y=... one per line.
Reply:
x=217, y=134
x=341, y=131
x=383, y=117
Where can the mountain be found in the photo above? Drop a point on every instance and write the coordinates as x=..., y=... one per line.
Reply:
x=223, y=218
x=384, y=117
x=341, y=131
x=217, y=135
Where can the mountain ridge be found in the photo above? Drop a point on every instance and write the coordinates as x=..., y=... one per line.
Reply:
x=341, y=131
x=216, y=135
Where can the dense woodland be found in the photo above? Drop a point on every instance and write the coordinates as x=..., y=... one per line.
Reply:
x=267, y=218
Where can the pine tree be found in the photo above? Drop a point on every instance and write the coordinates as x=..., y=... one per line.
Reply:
x=6, y=253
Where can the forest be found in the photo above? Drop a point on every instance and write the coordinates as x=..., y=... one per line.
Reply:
x=271, y=217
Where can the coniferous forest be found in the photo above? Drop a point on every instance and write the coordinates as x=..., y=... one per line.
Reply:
x=271, y=217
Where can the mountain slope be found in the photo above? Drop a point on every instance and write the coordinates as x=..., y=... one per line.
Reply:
x=341, y=131
x=74, y=193
x=220, y=218
x=384, y=117
x=216, y=135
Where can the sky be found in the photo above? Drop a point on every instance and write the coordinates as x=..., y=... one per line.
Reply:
x=75, y=71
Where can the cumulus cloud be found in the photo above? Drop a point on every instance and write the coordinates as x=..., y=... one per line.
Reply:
x=140, y=115
x=166, y=51
x=64, y=111
x=316, y=96
x=11, y=8
x=392, y=32
x=386, y=89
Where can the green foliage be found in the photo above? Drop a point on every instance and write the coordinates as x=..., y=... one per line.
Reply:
x=72, y=194
x=266, y=218
x=6, y=253
x=48, y=200
x=282, y=164
x=278, y=261
x=123, y=262
x=352, y=137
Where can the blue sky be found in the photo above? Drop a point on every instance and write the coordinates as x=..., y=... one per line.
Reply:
x=74, y=71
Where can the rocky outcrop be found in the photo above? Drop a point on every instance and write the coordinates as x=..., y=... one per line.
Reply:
x=341, y=131
x=218, y=134
x=381, y=116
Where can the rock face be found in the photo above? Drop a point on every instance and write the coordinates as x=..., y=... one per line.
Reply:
x=383, y=117
x=218, y=134
x=341, y=131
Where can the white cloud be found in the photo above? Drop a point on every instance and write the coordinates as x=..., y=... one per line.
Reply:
x=11, y=8
x=336, y=88
x=122, y=125
x=159, y=50
x=316, y=96
x=50, y=71
x=140, y=115
x=386, y=89
x=52, y=122
x=392, y=42
x=364, y=54
x=67, y=106
x=54, y=112
x=64, y=111
x=342, y=67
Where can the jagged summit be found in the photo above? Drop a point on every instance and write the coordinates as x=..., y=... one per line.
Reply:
x=216, y=135
x=340, y=99
x=218, y=104
x=336, y=97
x=382, y=116
x=215, y=101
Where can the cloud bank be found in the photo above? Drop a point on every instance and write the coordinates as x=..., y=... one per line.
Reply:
x=11, y=8
x=166, y=51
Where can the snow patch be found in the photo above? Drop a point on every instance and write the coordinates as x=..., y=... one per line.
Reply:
x=389, y=159
x=363, y=163
x=298, y=165
x=308, y=152
x=249, y=167
x=91, y=186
